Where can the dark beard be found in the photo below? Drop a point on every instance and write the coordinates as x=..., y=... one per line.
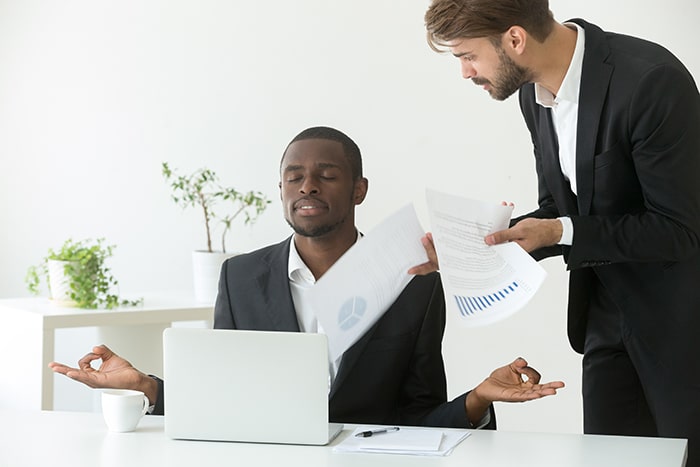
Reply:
x=508, y=80
x=319, y=231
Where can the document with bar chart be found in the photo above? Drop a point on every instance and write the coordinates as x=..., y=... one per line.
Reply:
x=483, y=284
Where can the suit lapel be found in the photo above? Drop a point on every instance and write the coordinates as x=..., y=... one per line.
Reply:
x=595, y=79
x=350, y=358
x=273, y=280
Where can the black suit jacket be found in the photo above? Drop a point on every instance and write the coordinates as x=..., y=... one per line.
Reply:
x=637, y=214
x=393, y=375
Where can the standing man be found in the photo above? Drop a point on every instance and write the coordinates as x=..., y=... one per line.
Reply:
x=615, y=124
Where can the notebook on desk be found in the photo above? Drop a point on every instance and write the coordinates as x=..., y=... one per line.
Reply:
x=248, y=386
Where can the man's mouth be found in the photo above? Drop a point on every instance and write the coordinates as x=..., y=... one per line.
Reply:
x=308, y=205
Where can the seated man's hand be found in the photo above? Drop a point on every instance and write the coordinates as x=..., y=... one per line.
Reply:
x=506, y=384
x=516, y=382
x=432, y=264
x=114, y=372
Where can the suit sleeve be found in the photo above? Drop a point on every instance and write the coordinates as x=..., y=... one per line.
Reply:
x=423, y=399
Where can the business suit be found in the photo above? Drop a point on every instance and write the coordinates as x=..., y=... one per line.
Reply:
x=635, y=258
x=393, y=375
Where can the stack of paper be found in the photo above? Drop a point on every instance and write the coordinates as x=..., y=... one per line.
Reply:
x=408, y=440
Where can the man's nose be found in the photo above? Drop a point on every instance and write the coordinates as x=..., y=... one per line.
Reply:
x=467, y=70
x=309, y=186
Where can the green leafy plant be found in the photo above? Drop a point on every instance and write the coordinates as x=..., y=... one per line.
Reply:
x=90, y=280
x=202, y=188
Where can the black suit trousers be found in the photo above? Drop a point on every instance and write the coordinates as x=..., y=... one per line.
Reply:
x=627, y=390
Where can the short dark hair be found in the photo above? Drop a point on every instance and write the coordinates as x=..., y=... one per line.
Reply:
x=448, y=20
x=350, y=148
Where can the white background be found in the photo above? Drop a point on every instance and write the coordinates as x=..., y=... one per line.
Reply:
x=94, y=95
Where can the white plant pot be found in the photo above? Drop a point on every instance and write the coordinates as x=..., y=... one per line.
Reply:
x=59, y=283
x=206, y=268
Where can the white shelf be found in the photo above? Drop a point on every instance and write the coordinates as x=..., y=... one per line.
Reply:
x=27, y=339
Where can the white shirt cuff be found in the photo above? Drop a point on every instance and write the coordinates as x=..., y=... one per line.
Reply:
x=567, y=234
x=485, y=420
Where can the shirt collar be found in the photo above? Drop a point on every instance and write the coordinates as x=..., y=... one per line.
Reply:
x=571, y=85
x=297, y=271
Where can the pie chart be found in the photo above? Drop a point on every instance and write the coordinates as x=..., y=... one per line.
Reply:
x=351, y=312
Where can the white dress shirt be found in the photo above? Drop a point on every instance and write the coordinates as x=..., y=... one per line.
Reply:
x=300, y=280
x=564, y=108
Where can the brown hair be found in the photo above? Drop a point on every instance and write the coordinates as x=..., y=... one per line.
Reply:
x=447, y=20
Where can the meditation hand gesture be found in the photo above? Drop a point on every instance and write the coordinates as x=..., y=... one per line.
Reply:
x=507, y=384
x=114, y=372
x=516, y=382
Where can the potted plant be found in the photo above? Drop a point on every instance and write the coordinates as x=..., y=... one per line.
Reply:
x=77, y=275
x=219, y=205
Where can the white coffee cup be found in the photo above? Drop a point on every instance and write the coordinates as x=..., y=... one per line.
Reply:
x=123, y=408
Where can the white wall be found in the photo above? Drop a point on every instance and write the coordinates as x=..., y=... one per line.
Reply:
x=95, y=94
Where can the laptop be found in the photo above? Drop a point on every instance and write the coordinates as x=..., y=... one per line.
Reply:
x=247, y=386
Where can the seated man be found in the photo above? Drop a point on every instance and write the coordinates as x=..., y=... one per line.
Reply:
x=395, y=373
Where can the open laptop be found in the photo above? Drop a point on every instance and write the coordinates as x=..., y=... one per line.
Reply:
x=248, y=386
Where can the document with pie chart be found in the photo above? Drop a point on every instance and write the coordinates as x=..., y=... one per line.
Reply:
x=483, y=284
x=356, y=291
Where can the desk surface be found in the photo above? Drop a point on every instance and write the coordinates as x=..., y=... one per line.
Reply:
x=31, y=438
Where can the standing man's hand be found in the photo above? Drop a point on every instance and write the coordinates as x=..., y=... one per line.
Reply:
x=432, y=264
x=529, y=233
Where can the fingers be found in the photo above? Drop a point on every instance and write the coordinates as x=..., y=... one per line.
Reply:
x=76, y=374
x=429, y=245
x=422, y=269
x=432, y=264
x=99, y=352
x=502, y=236
x=529, y=233
x=533, y=376
x=103, y=351
x=553, y=385
x=84, y=363
x=61, y=368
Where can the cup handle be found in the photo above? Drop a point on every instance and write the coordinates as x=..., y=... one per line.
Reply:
x=146, y=404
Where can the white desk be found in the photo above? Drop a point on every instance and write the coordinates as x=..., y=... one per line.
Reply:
x=80, y=439
x=27, y=339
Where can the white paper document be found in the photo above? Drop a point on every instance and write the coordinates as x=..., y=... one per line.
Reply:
x=354, y=293
x=483, y=284
x=408, y=440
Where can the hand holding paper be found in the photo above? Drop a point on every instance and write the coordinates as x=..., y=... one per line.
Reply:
x=483, y=283
x=530, y=234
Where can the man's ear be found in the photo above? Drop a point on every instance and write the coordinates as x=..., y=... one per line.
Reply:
x=361, y=187
x=515, y=39
x=280, y=187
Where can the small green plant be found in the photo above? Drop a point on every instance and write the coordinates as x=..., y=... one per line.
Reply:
x=202, y=189
x=90, y=280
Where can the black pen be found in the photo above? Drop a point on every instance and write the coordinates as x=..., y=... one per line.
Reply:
x=367, y=434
